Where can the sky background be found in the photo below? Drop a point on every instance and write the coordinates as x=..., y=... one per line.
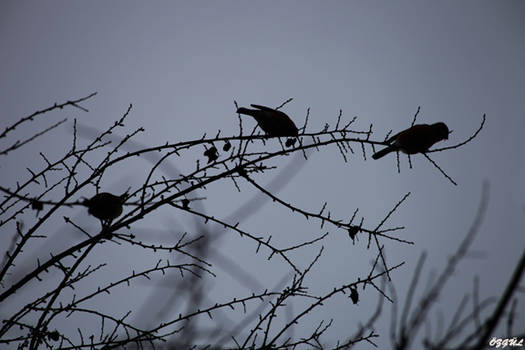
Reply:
x=182, y=65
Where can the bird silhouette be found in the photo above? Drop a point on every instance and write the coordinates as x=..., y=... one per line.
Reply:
x=106, y=206
x=271, y=121
x=416, y=139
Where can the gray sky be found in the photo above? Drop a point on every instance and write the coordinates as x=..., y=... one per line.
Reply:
x=182, y=64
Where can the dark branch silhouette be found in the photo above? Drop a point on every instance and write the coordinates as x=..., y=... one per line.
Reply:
x=173, y=316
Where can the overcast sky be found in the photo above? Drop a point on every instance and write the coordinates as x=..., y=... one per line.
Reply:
x=182, y=64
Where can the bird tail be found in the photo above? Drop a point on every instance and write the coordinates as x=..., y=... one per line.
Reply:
x=246, y=111
x=383, y=152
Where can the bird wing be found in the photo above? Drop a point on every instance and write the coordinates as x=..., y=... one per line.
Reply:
x=263, y=108
x=392, y=139
x=417, y=129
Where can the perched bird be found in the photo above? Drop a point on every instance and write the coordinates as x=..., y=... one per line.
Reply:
x=106, y=206
x=271, y=121
x=416, y=139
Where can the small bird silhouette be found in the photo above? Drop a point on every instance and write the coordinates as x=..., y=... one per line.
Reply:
x=106, y=206
x=416, y=139
x=271, y=121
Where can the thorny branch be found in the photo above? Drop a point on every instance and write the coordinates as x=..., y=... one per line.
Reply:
x=61, y=182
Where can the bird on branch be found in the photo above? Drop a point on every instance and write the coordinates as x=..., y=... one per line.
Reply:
x=271, y=121
x=416, y=139
x=106, y=206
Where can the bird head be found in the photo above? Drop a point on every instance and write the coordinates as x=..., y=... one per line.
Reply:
x=441, y=130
